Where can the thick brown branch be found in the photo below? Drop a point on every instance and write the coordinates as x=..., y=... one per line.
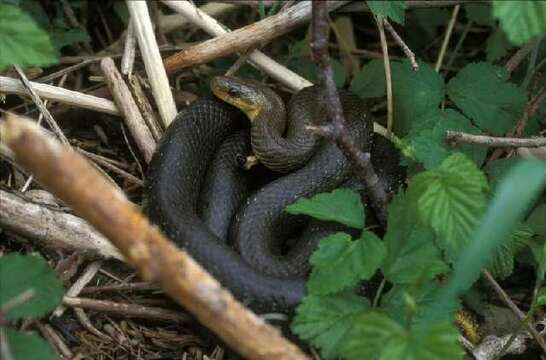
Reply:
x=337, y=130
x=458, y=136
x=67, y=175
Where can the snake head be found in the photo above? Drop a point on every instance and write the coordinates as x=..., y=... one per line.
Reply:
x=246, y=95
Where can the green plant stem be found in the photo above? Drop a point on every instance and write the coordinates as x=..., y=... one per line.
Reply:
x=459, y=44
x=447, y=36
x=378, y=293
x=388, y=77
x=531, y=66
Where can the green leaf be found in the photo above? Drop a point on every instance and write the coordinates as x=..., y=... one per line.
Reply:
x=411, y=302
x=451, y=200
x=429, y=19
x=415, y=93
x=340, y=262
x=64, y=37
x=541, y=297
x=393, y=9
x=325, y=320
x=496, y=170
x=430, y=145
x=515, y=195
x=308, y=69
x=19, y=273
x=22, y=42
x=483, y=93
x=376, y=336
x=120, y=8
x=480, y=14
x=411, y=253
x=537, y=220
x=502, y=264
x=497, y=45
x=521, y=20
x=369, y=82
x=28, y=346
x=538, y=249
x=341, y=205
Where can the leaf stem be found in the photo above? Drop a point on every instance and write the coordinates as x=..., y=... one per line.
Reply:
x=447, y=36
x=378, y=293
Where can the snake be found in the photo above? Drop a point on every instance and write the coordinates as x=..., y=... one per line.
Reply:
x=233, y=221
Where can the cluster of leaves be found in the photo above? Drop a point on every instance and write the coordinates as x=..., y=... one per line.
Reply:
x=30, y=290
x=449, y=223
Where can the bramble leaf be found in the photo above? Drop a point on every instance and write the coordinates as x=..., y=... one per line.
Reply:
x=451, y=200
x=20, y=273
x=393, y=9
x=537, y=220
x=369, y=82
x=325, y=320
x=521, y=20
x=483, y=93
x=22, y=42
x=480, y=14
x=411, y=253
x=341, y=205
x=502, y=264
x=497, y=45
x=340, y=262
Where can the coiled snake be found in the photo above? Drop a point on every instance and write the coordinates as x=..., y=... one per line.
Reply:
x=198, y=194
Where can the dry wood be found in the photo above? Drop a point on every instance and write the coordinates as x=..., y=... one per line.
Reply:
x=145, y=106
x=126, y=309
x=129, y=109
x=56, y=340
x=459, y=136
x=129, y=50
x=152, y=60
x=52, y=228
x=245, y=37
x=136, y=286
x=14, y=86
x=67, y=175
x=258, y=59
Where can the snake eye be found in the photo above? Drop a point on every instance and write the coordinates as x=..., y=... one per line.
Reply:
x=233, y=92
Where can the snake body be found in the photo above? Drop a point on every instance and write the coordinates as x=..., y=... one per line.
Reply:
x=197, y=204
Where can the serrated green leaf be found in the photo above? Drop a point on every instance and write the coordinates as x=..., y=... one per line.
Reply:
x=340, y=262
x=393, y=9
x=483, y=93
x=308, y=69
x=22, y=42
x=430, y=145
x=480, y=14
x=497, y=45
x=341, y=205
x=514, y=197
x=521, y=20
x=411, y=253
x=325, y=320
x=422, y=296
x=415, y=93
x=537, y=220
x=541, y=297
x=19, y=273
x=28, y=346
x=502, y=264
x=451, y=200
x=369, y=82
x=375, y=335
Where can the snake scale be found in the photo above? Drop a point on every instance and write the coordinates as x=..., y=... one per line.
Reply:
x=199, y=195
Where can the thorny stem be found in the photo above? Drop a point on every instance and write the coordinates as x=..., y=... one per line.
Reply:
x=337, y=130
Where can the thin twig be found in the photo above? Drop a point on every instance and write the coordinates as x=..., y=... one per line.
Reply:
x=129, y=50
x=67, y=175
x=136, y=286
x=520, y=55
x=459, y=136
x=447, y=37
x=512, y=306
x=388, y=77
x=40, y=104
x=337, y=130
x=405, y=48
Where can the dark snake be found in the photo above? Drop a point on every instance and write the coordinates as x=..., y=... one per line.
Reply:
x=200, y=197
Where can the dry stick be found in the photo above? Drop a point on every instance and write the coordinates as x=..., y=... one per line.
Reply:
x=136, y=286
x=126, y=309
x=52, y=228
x=129, y=50
x=337, y=130
x=129, y=109
x=447, y=37
x=107, y=164
x=520, y=55
x=506, y=299
x=144, y=106
x=258, y=59
x=459, y=136
x=405, y=48
x=387, y=65
x=246, y=37
x=86, y=323
x=152, y=60
x=14, y=86
x=157, y=259
x=64, y=71
x=41, y=106
x=55, y=339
